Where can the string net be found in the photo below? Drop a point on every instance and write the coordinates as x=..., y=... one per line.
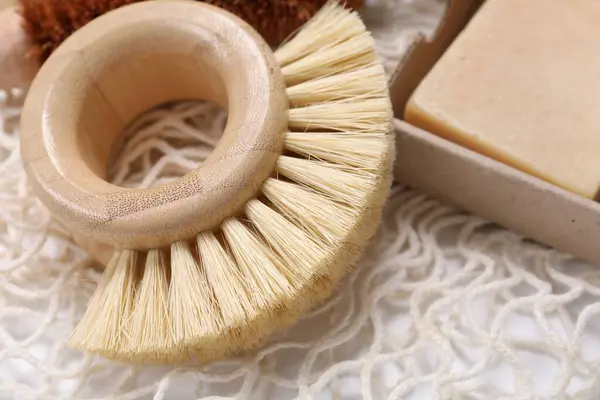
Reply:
x=444, y=305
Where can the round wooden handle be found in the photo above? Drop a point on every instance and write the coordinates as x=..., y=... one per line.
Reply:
x=124, y=63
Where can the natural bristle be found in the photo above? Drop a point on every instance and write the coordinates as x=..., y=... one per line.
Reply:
x=152, y=309
x=294, y=245
x=337, y=87
x=225, y=278
x=338, y=148
x=332, y=180
x=227, y=290
x=105, y=329
x=266, y=283
x=194, y=317
x=81, y=336
x=311, y=211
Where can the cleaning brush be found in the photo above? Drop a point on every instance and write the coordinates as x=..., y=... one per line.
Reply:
x=215, y=262
x=49, y=22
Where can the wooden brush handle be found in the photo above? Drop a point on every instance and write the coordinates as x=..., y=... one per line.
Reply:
x=124, y=63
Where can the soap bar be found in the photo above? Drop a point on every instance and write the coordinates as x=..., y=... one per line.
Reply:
x=521, y=84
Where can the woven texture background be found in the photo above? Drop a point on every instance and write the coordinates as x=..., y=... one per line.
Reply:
x=444, y=305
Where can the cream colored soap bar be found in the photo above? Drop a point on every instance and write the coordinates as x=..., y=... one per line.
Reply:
x=521, y=84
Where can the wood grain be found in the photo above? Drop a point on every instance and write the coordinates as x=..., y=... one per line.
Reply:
x=124, y=63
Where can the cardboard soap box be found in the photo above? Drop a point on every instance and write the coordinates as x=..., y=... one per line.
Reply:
x=476, y=183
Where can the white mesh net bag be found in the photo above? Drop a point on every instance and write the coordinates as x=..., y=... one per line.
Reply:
x=444, y=305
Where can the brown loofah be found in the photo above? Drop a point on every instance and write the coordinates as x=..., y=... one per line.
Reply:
x=275, y=20
x=49, y=22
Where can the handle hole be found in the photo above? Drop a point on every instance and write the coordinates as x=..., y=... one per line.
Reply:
x=165, y=143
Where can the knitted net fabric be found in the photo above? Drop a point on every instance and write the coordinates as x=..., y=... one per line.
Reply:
x=444, y=305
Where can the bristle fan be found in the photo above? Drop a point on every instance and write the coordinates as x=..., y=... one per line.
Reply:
x=152, y=309
x=292, y=244
x=265, y=281
x=361, y=115
x=337, y=181
x=338, y=148
x=327, y=29
x=86, y=327
x=111, y=307
x=336, y=87
x=193, y=309
x=310, y=211
x=227, y=283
